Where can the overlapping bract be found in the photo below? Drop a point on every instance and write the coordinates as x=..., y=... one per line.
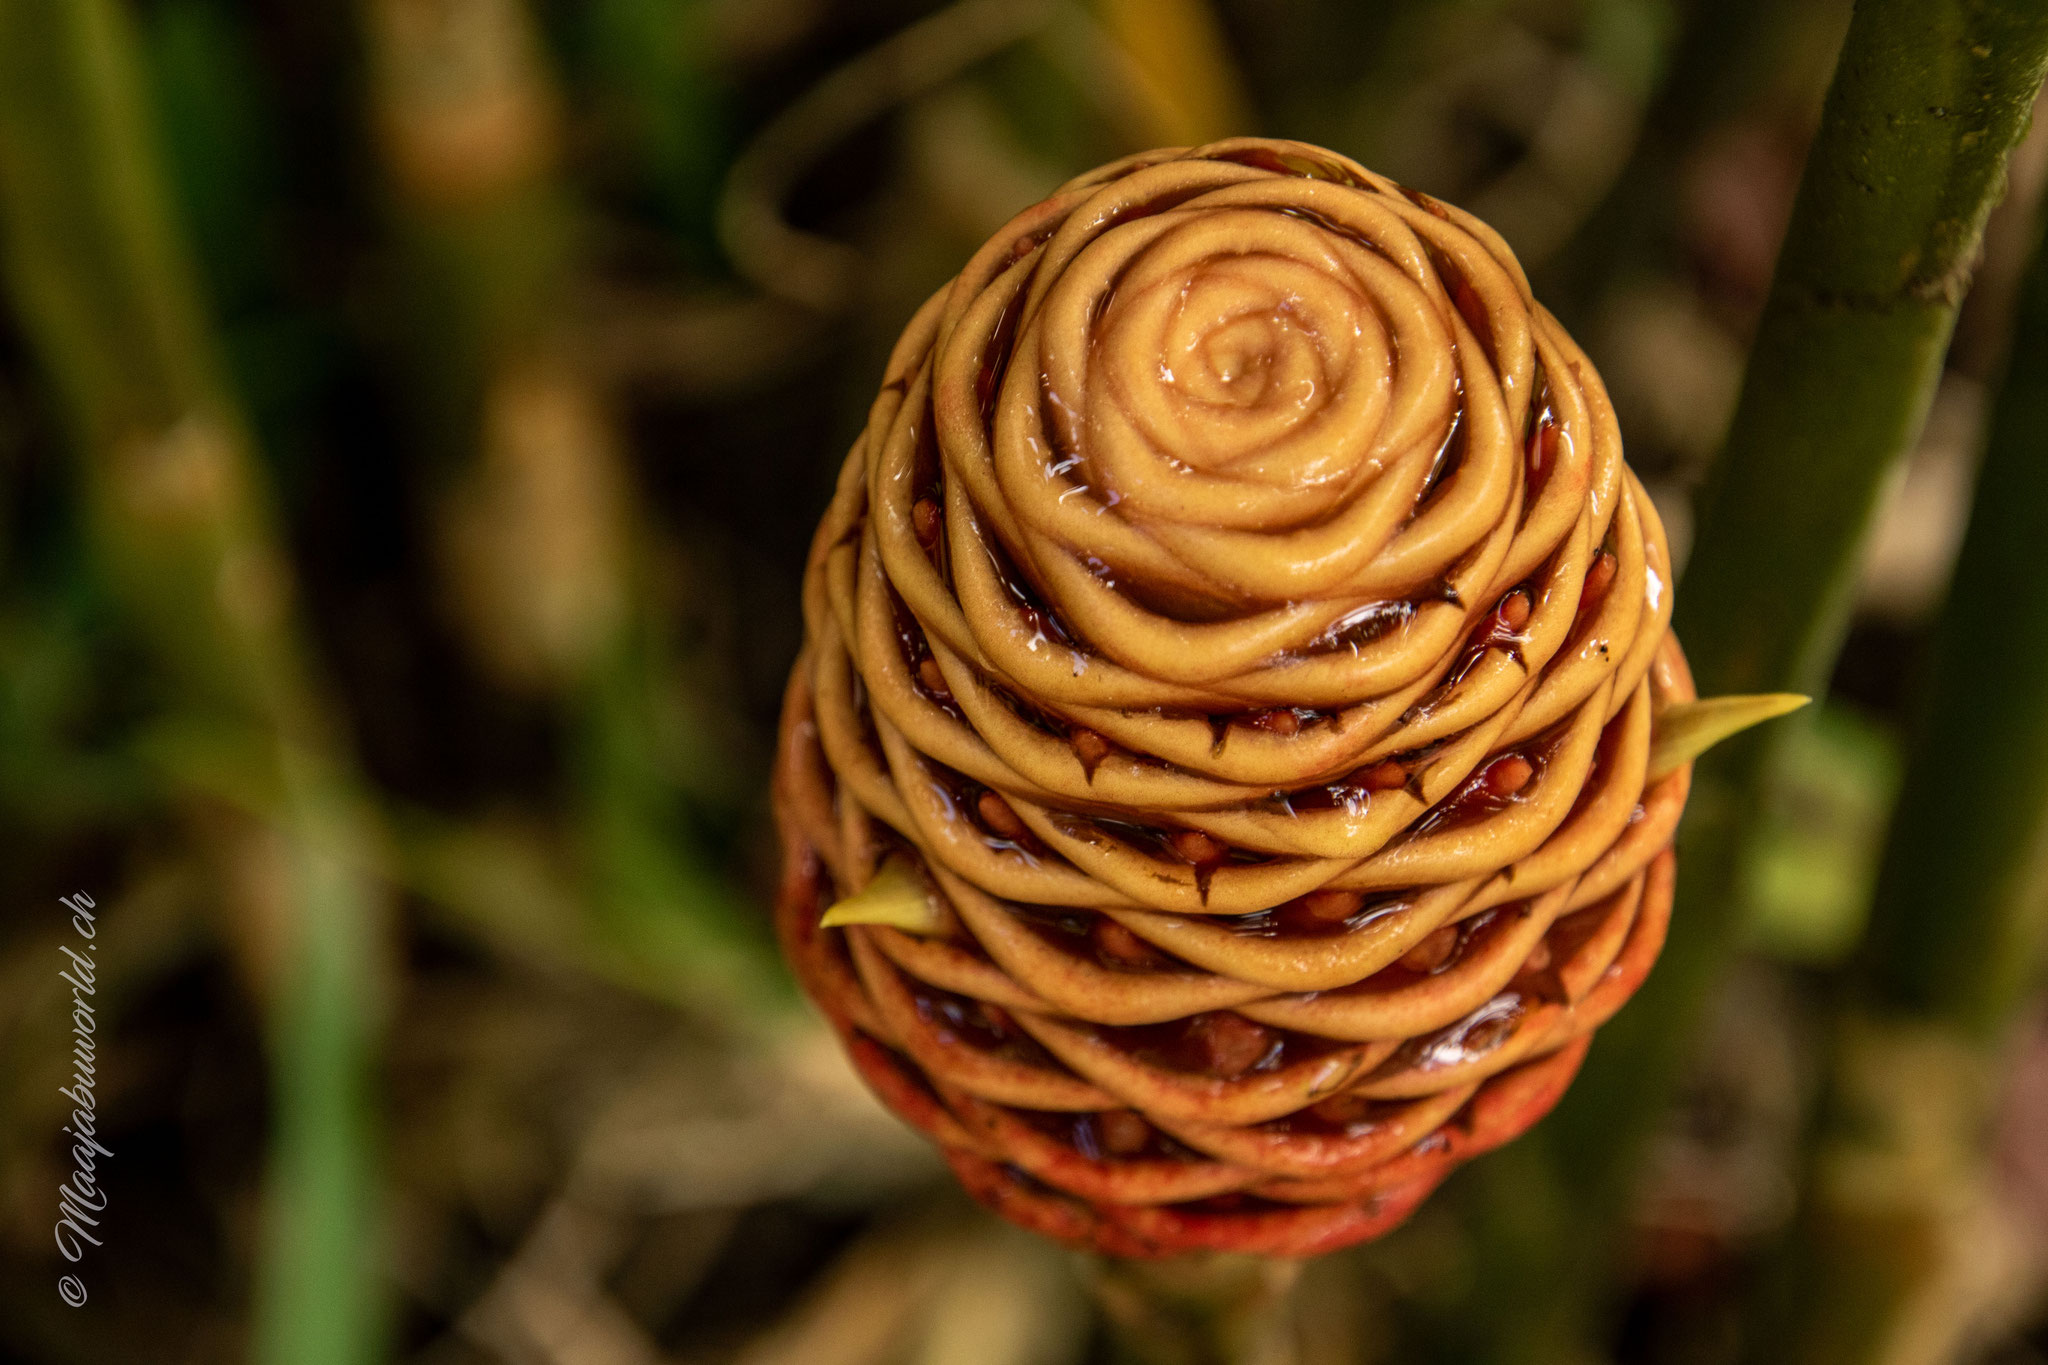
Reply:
x=1238, y=616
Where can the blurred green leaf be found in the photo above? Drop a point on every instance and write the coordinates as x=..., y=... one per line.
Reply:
x=650, y=65
x=1813, y=862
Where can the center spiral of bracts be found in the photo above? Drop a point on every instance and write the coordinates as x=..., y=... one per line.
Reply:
x=1230, y=661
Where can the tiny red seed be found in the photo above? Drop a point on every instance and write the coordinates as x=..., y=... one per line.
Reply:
x=1089, y=747
x=1599, y=578
x=1231, y=1044
x=1124, y=1133
x=1279, y=722
x=1514, y=610
x=1433, y=951
x=1121, y=946
x=932, y=676
x=1197, y=847
x=1330, y=905
x=924, y=519
x=1539, y=956
x=1472, y=309
x=1506, y=776
x=1347, y=1107
x=1542, y=451
x=997, y=815
x=998, y=1018
x=1384, y=777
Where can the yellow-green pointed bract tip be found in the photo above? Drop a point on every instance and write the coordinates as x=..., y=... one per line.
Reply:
x=894, y=896
x=1687, y=729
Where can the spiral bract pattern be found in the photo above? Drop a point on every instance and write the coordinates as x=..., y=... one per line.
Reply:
x=1238, y=619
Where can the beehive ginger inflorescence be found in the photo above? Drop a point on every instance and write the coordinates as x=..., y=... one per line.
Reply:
x=1223, y=735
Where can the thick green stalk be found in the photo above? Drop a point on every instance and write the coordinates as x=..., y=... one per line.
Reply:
x=1957, y=931
x=1958, y=937
x=106, y=293
x=1928, y=99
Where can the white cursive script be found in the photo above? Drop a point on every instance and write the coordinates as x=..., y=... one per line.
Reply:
x=81, y=1200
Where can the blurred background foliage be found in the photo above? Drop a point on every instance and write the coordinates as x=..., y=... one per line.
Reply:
x=412, y=417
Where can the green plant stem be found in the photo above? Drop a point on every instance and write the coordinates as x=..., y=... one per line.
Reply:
x=1927, y=101
x=1958, y=937
x=1216, y=1309
x=1958, y=927
x=105, y=288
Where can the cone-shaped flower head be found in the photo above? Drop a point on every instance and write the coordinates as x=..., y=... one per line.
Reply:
x=1223, y=734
